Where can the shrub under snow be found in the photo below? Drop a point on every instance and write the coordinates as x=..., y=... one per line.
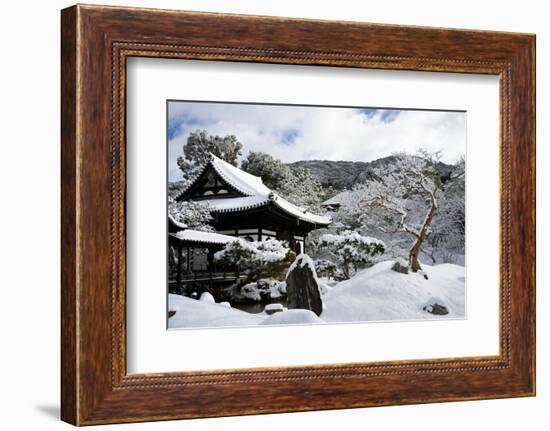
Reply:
x=352, y=249
x=262, y=290
x=241, y=251
x=267, y=259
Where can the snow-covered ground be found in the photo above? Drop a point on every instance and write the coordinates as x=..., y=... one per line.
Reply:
x=373, y=294
x=378, y=293
x=193, y=313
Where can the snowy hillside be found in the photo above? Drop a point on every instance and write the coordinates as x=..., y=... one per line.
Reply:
x=373, y=294
x=343, y=174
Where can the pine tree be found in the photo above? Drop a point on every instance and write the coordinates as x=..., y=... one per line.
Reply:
x=199, y=146
x=352, y=250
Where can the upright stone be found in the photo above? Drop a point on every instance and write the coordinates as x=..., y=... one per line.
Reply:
x=302, y=287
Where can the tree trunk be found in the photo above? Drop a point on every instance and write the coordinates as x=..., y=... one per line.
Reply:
x=180, y=269
x=345, y=269
x=414, y=252
x=414, y=264
x=210, y=259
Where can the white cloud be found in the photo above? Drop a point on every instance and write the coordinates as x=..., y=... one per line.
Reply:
x=320, y=133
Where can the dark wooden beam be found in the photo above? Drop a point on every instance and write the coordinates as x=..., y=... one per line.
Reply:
x=210, y=259
x=180, y=266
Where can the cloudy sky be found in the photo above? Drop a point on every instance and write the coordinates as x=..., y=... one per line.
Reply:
x=292, y=133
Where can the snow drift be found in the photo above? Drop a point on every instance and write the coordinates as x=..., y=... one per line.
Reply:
x=192, y=313
x=379, y=293
x=373, y=294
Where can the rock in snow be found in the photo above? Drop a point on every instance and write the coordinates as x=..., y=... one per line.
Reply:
x=401, y=266
x=434, y=306
x=273, y=308
x=302, y=287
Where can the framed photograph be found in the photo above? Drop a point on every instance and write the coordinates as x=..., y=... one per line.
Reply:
x=287, y=212
x=280, y=236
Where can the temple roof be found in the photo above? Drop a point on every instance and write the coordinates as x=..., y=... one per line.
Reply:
x=174, y=225
x=336, y=200
x=256, y=194
x=195, y=236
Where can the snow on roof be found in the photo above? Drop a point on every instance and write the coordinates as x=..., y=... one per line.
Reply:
x=257, y=194
x=176, y=223
x=204, y=237
x=299, y=212
x=244, y=182
x=222, y=205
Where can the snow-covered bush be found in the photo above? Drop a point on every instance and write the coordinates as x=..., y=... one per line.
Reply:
x=267, y=259
x=261, y=290
x=351, y=249
x=325, y=268
x=251, y=292
x=193, y=215
x=273, y=288
x=242, y=252
x=276, y=288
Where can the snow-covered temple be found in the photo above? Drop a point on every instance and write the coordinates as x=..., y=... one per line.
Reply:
x=243, y=206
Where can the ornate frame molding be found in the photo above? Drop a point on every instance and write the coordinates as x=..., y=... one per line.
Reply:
x=96, y=41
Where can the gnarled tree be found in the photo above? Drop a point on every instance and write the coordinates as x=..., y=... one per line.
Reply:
x=392, y=192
